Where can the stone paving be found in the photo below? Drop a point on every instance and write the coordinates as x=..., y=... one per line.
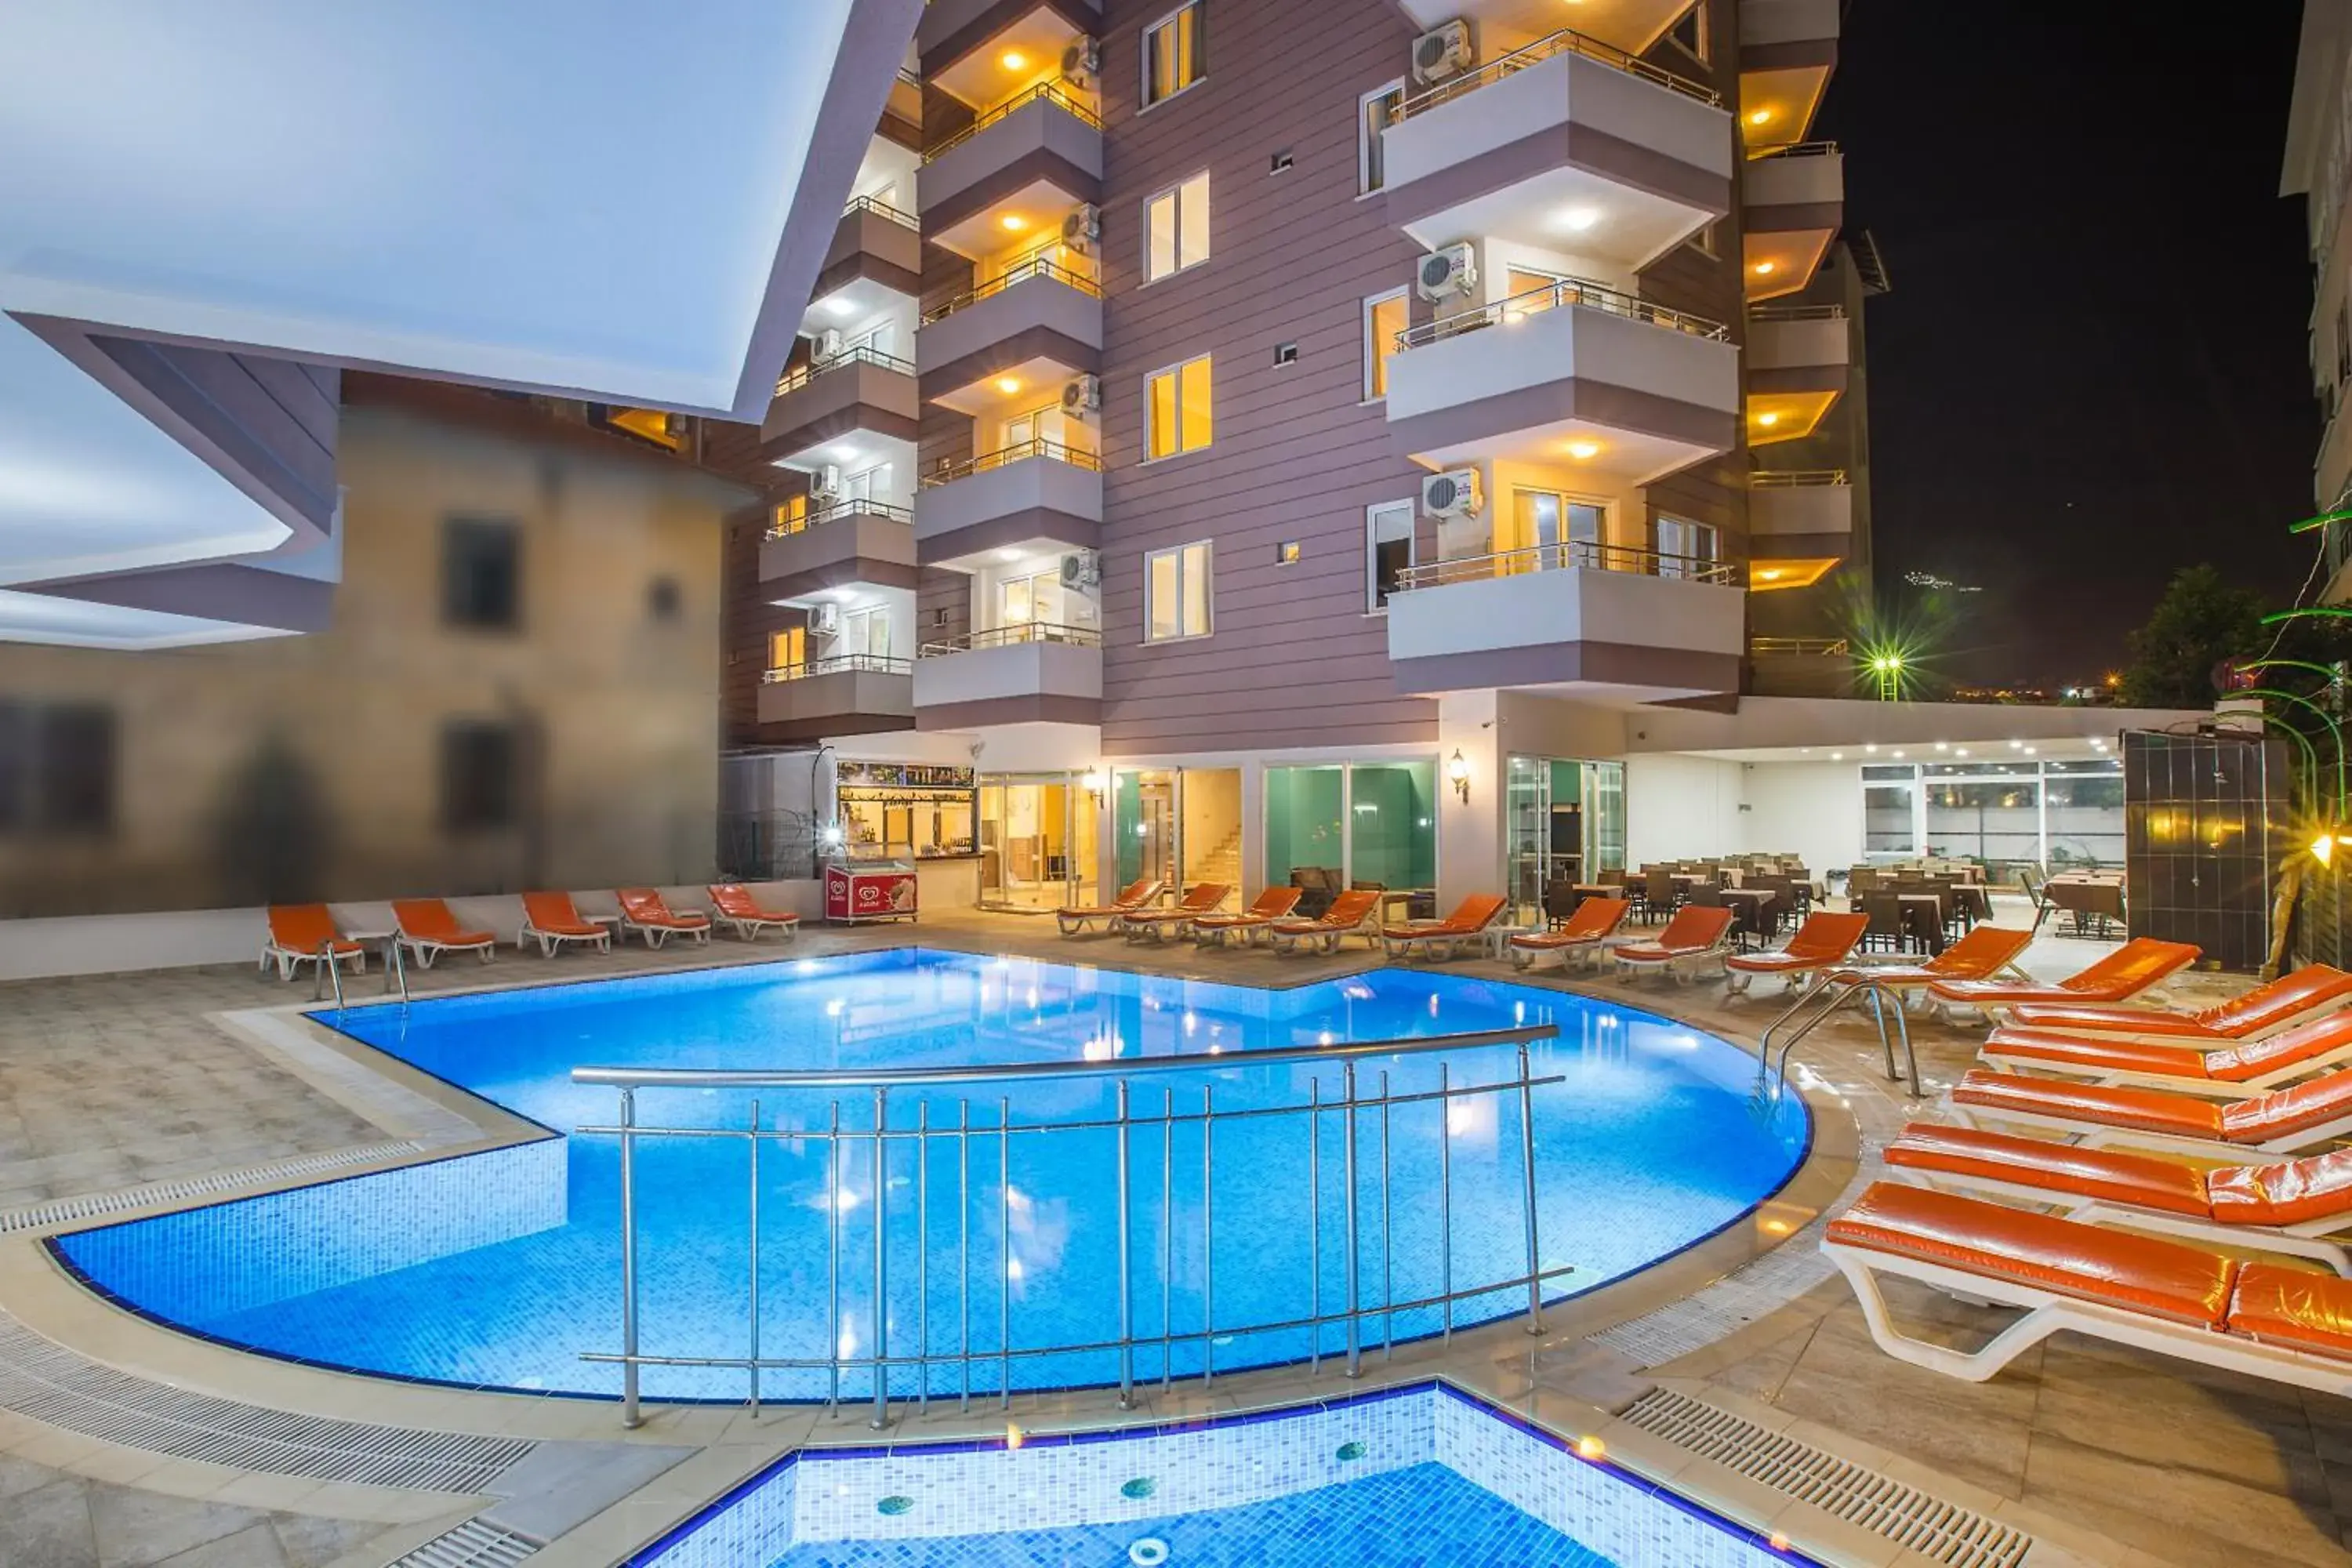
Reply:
x=105, y=1083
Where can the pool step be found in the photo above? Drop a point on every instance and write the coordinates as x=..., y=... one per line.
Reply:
x=1941, y=1532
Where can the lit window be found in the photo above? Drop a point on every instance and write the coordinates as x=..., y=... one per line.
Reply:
x=1175, y=57
x=1176, y=229
x=1388, y=549
x=1684, y=549
x=1176, y=593
x=1371, y=126
x=1179, y=413
x=1384, y=317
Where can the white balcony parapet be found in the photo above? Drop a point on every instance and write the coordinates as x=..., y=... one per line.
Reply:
x=1566, y=41
x=1802, y=174
x=1810, y=503
x=1031, y=672
x=863, y=685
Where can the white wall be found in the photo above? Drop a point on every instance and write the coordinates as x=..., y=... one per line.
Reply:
x=1679, y=807
x=1813, y=809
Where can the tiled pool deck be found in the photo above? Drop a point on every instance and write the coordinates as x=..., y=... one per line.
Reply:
x=2107, y=1456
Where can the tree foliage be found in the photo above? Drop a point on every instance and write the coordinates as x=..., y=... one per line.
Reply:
x=2203, y=619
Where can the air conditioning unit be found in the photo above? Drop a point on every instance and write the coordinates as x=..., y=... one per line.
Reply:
x=1447, y=273
x=825, y=484
x=1082, y=62
x=1454, y=493
x=828, y=343
x=1083, y=395
x=1440, y=53
x=1082, y=569
x=825, y=620
x=1083, y=225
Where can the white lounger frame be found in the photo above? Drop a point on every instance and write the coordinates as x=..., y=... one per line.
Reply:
x=2309, y=1239
x=2212, y=1042
x=1329, y=938
x=656, y=935
x=1402, y=946
x=2099, y=1136
x=427, y=949
x=1997, y=1013
x=746, y=928
x=289, y=959
x=1682, y=966
x=2047, y=1313
x=2132, y=1077
x=1585, y=952
x=549, y=940
x=1742, y=979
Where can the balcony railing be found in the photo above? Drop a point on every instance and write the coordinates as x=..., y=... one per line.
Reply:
x=1035, y=265
x=1797, y=150
x=1795, y=478
x=953, y=468
x=1044, y=92
x=1797, y=313
x=1565, y=42
x=881, y=209
x=1577, y=291
x=787, y=523
x=1799, y=647
x=1591, y=557
x=793, y=381
x=835, y=663
x=1007, y=637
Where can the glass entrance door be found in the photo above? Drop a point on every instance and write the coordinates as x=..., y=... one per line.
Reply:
x=1143, y=824
x=1036, y=842
x=1526, y=837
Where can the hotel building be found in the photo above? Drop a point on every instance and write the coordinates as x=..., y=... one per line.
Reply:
x=2318, y=168
x=1248, y=435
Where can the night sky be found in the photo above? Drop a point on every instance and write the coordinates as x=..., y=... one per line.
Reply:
x=2092, y=369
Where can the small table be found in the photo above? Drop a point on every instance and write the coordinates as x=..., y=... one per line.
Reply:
x=1751, y=903
x=1497, y=939
x=1923, y=917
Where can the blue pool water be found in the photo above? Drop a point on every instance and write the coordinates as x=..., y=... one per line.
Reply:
x=501, y=1268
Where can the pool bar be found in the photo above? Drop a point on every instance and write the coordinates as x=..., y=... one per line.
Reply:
x=879, y=1136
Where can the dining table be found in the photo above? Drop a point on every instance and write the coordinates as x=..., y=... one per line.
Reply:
x=2086, y=897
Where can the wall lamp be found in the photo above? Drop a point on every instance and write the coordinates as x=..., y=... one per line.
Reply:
x=1457, y=769
x=1092, y=781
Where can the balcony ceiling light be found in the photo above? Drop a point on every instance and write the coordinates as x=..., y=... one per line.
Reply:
x=1768, y=420
x=1012, y=59
x=1768, y=574
x=1872, y=748
x=1575, y=220
x=1013, y=222
x=1008, y=553
x=1008, y=385
x=1837, y=756
x=838, y=305
x=1765, y=268
x=844, y=454
x=1583, y=451
x=1759, y=117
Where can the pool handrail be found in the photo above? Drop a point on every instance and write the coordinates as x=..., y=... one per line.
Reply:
x=1111, y=1067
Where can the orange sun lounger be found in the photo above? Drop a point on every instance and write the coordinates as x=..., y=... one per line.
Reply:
x=2293, y=1206
x=1593, y=923
x=1472, y=916
x=306, y=933
x=1697, y=932
x=2128, y=971
x=744, y=915
x=428, y=929
x=2303, y=1117
x=1823, y=941
x=550, y=919
x=1134, y=896
x=1355, y=912
x=1199, y=899
x=1983, y=953
x=2276, y=1005
x=647, y=912
x=1275, y=903
x=2268, y=1320
x=2241, y=1066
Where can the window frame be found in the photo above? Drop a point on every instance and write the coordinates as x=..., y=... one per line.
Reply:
x=1375, y=385
x=1374, y=603
x=1173, y=192
x=1207, y=547
x=467, y=526
x=1712, y=534
x=1366, y=141
x=1705, y=53
x=1145, y=100
x=456, y=734
x=1176, y=372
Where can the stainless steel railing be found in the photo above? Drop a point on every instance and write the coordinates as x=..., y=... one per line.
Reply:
x=1804, y=647
x=1036, y=264
x=1566, y=41
x=1794, y=479
x=793, y=381
x=788, y=522
x=835, y=664
x=1579, y=293
x=1587, y=554
x=1019, y=632
x=1044, y=92
x=949, y=470
x=1127, y=1124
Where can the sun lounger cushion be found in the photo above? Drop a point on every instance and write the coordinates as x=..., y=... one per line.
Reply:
x=2096, y=1054
x=2285, y=1112
x=2263, y=1007
x=2305, y=1042
x=2141, y=1109
x=2293, y=1307
x=2288, y=1193
x=2139, y=1273
x=2113, y=1176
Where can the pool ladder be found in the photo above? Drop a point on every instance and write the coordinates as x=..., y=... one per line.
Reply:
x=1826, y=995
x=330, y=971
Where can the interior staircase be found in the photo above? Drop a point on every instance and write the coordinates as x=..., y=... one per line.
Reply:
x=1221, y=863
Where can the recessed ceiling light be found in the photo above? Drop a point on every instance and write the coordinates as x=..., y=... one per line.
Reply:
x=1764, y=268
x=1768, y=420
x=1873, y=747
x=1837, y=756
x=1961, y=753
x=1577, y=219
x=1008, y=553
x=1012, y=59
x=1768, y=574
x=1580, y=450
x=2017, y=745
x=1758, y=116
x=1008, y=385
x=2029, y=751
x=837, y=305
x=1942, y=746
x=844, y=454
x=1898, y=754
x=1014, y=222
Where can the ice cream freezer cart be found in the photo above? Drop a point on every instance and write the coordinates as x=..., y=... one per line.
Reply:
x=866, y=890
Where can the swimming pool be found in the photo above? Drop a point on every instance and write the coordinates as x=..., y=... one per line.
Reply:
x=500, y=1269
x=1400, y=1479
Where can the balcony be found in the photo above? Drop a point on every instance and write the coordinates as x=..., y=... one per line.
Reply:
x=849, y=543
x=1025, y=674
x=860, y=389
x=1566, y=136
x=1787, y=51
x=1801, y=667
x=1604, y=621
x=847, y=694
x=952, y=31
x=1634, y=24
x=876, y=252
x=1039, y=153
x=1805, y=511
x=1791, y=207
x=1035, y=495
x=1633, y=390
x=1035, y=321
